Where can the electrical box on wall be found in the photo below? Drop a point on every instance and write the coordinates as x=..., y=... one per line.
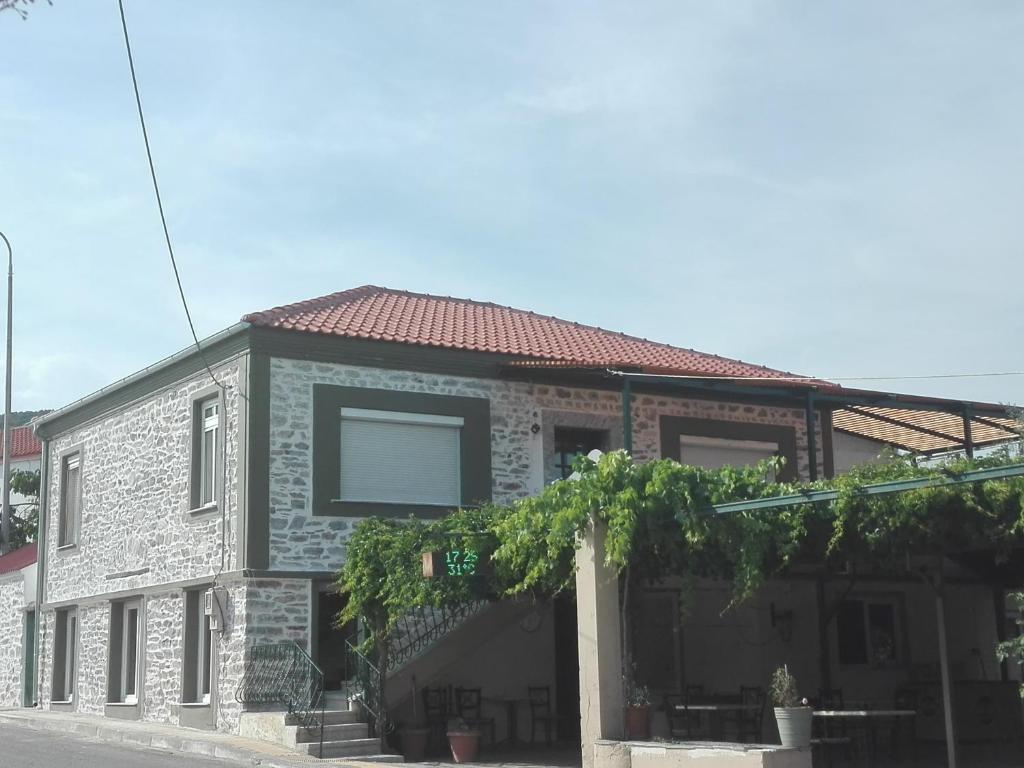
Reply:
x=216, y=607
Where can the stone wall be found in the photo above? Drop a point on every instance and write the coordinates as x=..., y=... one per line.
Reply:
x=136, y=529
x=301, y=541
x=12, y=646
x=164, y=654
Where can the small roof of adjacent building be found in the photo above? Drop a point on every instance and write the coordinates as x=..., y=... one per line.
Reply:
x=24, y=443
x=18, y=559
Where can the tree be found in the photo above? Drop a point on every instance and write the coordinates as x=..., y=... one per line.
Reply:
x=20, y=7
x=24, y=517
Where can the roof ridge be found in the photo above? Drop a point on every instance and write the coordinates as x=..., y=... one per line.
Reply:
x=370, y=290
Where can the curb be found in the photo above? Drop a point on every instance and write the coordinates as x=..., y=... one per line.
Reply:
x=140, y=737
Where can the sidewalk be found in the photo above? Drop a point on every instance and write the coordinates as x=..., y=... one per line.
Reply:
x=184, y=740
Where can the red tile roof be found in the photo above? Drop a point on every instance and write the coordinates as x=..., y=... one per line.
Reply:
x=18, y=559
x=23, y=443
x=383, y=314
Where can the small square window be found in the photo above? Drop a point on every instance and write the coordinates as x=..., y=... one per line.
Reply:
x=870, y=632
x=70, y=499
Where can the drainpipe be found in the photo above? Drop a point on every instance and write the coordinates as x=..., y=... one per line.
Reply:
x=812, y=438
x=627, y=415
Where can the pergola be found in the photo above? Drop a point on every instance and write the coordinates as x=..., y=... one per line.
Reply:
x=920, y=425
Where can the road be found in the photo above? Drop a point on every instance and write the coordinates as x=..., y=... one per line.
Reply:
x=26, y=748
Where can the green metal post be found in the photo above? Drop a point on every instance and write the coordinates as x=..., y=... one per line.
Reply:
x=627, y=415
x=812, y=438
x=968, y=435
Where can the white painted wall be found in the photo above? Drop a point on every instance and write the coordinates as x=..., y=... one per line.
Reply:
x=849, y=451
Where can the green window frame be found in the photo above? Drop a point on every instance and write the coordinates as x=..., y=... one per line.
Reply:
x=474, y=447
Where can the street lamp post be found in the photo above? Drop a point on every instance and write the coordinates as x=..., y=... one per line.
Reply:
x=5, y=517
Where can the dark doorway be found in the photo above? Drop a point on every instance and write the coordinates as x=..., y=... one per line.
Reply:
x=329, y=649
x=571, y=442
x=567, y=668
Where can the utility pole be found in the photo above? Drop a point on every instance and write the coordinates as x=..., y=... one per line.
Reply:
x=5, y=517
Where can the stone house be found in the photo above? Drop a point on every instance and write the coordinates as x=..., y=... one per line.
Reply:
x=17, y=627
x=200, y=507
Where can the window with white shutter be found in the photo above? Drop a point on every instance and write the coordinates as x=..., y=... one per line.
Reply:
x=70, y=499
x=391, y=457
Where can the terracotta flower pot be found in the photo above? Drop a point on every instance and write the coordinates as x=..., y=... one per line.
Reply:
x=414, y=743
x=638, y=723
x=464, y=744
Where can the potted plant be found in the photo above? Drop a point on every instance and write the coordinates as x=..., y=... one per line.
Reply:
x=638, y=711
x=464, y=741
x=792, y=714
x=414, y=736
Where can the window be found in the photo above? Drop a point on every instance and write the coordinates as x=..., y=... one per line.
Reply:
x=394, y=454
x=199, y=656
x=571, y=442
x=870, y=632
x=713, y=443
x=389, y=457
x=717, y=452
x=65, y=650
x=206, y=447
x=70, y=499
x=123, y=673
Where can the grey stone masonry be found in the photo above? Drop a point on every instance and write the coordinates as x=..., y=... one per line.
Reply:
x=300, y=540
x=12, y=639
x=136, y=529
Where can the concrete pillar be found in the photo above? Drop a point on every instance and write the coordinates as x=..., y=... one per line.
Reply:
x=597, y=606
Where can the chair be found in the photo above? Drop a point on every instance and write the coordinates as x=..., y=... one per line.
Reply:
x=829, y=736
x=683, y=723
x=468, y=707
x=435, y=708
x=904, y=729
x=748, y=721
x=540, y=712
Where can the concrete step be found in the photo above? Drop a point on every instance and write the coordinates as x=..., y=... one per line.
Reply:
x=347, y=748
x=337, y=700
x=339, y=732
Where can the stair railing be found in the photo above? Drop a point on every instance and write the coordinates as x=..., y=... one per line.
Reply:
x=284, y=674
x=369, y=690
x=420, y=628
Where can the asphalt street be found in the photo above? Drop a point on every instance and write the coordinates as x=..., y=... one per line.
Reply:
x=26, y=748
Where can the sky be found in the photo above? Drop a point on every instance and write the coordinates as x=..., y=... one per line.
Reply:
x=830, y=188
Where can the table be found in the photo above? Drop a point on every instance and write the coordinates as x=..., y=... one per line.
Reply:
x=865, y=719
x=715, y=712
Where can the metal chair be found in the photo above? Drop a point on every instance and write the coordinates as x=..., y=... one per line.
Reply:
x=540, y=712
x=684, y=724
x=468, y=707
x=748, y=721
x=829, y=737
x=904, y=731
x=435, y=708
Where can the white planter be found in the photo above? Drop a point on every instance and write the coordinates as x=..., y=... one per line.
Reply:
x=794, y=726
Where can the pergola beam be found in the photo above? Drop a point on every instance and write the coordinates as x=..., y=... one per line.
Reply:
x=875, y=489
x=903, y=425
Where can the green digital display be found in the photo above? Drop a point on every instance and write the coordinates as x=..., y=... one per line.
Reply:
x=461, y=562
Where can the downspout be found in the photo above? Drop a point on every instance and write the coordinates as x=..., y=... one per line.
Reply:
x=812, y=437
x=627, y=415
x=44, y=472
